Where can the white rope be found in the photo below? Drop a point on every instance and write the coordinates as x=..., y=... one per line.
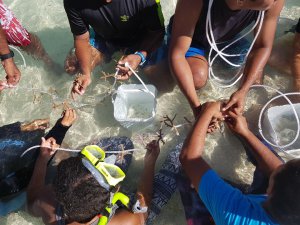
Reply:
x=264, y=108
x=210, y=37
x=76, y=150
x=137, y=76
x=14, y=48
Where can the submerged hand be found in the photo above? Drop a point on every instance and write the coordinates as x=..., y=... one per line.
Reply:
x=80, y=84
x=13, y=74
x=124, y=72
x=237, y=123
x=237, y=100
x=69, y=116
x=152, y=153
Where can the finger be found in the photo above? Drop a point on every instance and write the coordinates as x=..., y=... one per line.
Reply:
x=67, y=114
x=237, y=111
x=228, y=105
x=74, y=114
x=122, y=77
x=233, y=114
x=43, y=140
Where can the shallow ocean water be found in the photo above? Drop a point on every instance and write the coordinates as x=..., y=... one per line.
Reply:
x=48, y=20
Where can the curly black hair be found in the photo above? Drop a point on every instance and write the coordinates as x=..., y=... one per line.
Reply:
x=285, y=195
x=79, y=193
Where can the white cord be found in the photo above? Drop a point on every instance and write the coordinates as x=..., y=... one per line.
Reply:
x=264, y=108
x=76, y=150
x=14, y=48
x=137, y=76
x=210, y=37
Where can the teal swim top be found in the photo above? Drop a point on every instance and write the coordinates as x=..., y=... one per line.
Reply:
x=229, y=205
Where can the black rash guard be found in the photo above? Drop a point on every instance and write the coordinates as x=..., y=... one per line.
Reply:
x=226, y=23
x=121, y=21
x=298, y=26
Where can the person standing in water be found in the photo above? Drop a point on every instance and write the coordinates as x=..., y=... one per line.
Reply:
x=189, y=42
x=101, y=27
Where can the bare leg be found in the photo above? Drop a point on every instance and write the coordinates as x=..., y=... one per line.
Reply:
x=199, y=68
x=296, y=62
x=40, y=124
x=282, y=53
x=36, y=49
x=72, y=65
x=160, y=76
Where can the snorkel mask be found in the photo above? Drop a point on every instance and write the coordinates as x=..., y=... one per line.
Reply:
x=107, y=175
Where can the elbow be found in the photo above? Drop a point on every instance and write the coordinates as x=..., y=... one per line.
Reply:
x=183, y=158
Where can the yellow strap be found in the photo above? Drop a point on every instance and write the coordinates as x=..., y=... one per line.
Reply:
x=160, y=14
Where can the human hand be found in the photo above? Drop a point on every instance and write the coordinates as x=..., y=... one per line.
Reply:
x=69, y=116
x=236, y=122
x=13, y=74
x=152, y=153
x=124, y=72
x=80, y=84
x=48, y=148
x=213, y=108
x=237, y=100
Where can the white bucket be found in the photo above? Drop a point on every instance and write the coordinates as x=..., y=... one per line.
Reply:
x=135, y=104
x=280, y=123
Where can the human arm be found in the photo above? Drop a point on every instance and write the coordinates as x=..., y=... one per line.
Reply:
x=182, y=34
x=83, y=54
x=149, y=44
x=258, y=56
x=80, y=30
x=296, y=59
x=13, y=74
x=267, y=161
x=191, y=154
x=40, y=200
x=144, y=191
x=36, y=187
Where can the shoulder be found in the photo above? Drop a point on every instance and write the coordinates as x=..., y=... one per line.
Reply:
x=126, y=217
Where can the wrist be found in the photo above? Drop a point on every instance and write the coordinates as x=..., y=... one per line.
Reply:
x=246, y=134
x=142, y=55
x=6, y=56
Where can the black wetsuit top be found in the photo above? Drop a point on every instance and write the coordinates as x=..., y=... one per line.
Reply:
x=15, y=172
x=122, y=21
x=298, y=27
x=226, y=23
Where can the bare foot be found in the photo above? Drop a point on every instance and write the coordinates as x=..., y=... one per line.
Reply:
x=69, y=116
x=40, y=124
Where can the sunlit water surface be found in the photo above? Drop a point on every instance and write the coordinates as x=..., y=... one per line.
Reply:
x=48, y=20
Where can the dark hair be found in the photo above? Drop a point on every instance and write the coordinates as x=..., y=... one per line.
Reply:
x=80, y=195
x=285, y=197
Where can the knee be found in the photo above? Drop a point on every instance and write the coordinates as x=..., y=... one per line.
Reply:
x=200, y=78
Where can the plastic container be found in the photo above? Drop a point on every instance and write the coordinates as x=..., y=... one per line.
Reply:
x=135, y=105
x=280, y=123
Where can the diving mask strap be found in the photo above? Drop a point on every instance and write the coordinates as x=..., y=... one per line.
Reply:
x=96, y=174
x=112, y=206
